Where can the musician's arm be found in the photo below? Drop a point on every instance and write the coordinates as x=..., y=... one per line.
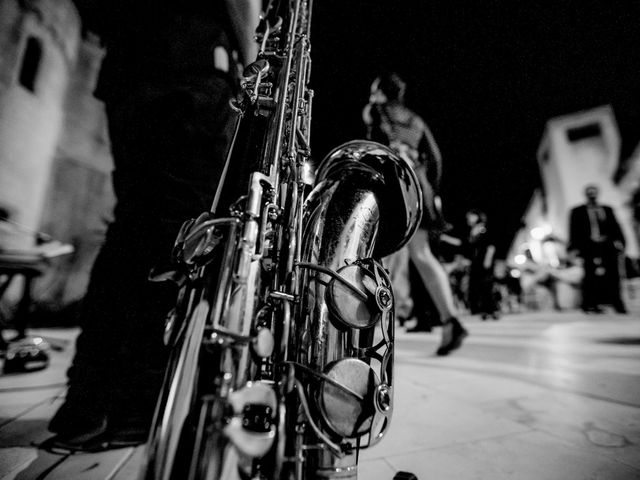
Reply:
x=245, y=15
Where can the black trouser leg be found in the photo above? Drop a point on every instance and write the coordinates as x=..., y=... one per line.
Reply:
x=168, y=144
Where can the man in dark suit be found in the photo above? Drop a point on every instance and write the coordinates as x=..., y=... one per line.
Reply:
x=596, y=237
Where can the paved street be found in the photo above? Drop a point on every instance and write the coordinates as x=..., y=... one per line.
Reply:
x=532, y=396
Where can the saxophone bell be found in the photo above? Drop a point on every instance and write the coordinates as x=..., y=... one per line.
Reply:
x=282, y=339
x=367, y=204
x=401, y=208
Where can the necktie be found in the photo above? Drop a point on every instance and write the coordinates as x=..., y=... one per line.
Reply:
x=595, y=215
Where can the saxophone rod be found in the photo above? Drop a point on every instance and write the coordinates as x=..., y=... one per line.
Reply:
x=333, y=274
x=286, y=75
x=227, y=162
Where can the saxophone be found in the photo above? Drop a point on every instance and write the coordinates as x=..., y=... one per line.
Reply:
x=281, y=363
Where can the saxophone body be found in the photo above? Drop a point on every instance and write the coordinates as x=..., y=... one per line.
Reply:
x=281, y=363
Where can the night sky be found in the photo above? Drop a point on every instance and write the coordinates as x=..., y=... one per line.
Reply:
x=485, y=75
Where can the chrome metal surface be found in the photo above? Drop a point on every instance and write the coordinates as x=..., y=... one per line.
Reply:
x=397, y=187
x=345, y=324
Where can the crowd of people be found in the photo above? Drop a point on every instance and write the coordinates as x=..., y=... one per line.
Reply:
x=430, y=291
x=586, y=271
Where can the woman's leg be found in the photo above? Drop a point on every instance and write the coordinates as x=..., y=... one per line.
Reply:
x=432, y=273
x=437, y=283
x=398, y=265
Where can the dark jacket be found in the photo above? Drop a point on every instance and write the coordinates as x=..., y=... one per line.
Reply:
x=154, y=40
x=580, y=230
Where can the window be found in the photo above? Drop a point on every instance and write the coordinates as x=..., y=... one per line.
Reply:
x=31, y=64
x=545, y=155
x=582, y=133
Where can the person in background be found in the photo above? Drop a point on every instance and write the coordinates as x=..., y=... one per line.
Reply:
x=391, y=123
x=459, y=280
x=167, y=79
x=595, y=237
x=508, y=284
x=481, y=253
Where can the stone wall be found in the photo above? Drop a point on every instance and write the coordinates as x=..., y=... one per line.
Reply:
x=55, y=164
x=36, y=66
x=80, y=198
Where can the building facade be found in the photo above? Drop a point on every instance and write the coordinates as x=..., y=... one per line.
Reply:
x=54, y=156
x=576, y=150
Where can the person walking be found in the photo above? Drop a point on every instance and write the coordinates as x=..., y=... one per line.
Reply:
x=391, y=123
x=481, y=253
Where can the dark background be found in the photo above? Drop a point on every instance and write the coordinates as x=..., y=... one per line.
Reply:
x=486, y=76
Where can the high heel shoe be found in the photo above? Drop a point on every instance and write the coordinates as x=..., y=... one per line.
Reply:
x=453, y=334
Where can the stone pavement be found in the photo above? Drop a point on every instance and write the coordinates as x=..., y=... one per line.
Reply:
x=532, y=396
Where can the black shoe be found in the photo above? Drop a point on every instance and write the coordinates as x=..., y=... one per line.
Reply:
x=404, y=476
x=589, y=310
x=63, y=444
x=455, y=337
x=620, y=308
x=79, y=420
x=77, y=430
x=121, y=435
x=132, y=430
x=128, y=438
x=419, y=328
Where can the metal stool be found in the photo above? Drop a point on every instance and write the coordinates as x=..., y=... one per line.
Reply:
x=12, y=266
x=23, y=353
